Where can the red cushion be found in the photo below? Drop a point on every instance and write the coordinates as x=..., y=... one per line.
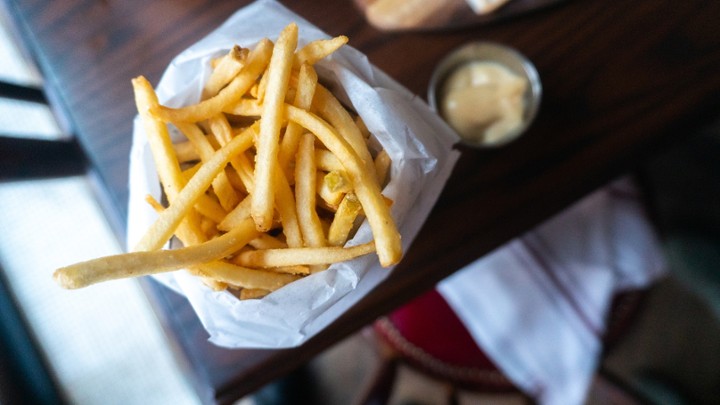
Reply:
x=453, y=344
x=428, y=334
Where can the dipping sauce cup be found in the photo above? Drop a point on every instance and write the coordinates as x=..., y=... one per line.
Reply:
x=489, y=93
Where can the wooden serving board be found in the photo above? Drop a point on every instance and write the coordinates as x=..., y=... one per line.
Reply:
x=429, y=15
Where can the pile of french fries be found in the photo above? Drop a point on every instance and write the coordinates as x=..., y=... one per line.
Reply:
x=272, y=180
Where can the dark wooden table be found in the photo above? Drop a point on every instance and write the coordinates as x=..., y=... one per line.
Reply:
x=622, y=81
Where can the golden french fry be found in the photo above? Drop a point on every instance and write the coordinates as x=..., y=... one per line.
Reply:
x=226, y=69
x=331, y=110
x=256, y=62
x=154, y=203
x=252, y=293
x=305, y=187
x=317, y=50
x=285, y=203
x=362, y=127
x=301, y=270
x=326, y=161
x=246, y=107
x=226, y=194
x=236, y=216
x=244, y=277
x=223, y=132
x=387, y=237
x=185, y=152
x=307, y=80
x=169, y=219
x=337, y=182
x=382, y=167
x=265, y=241
x=267, y=144
x=303, y=256
x=329, y=197
x=298, y=270
x=144, y=263
x=166, y=162
x=156, y=131
x=344, y=220
x=261, y=88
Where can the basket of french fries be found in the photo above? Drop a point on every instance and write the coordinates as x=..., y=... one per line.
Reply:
x=276, y=177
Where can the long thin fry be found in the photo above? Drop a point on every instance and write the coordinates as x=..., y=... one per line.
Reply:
x=156, y=131
x=223, y=132
x=286, y=208
x=267, y=145
x=144, y=263
x=303, y=256
x=228, y=67
x=387, y=237
x=166, y=162
x=246, y=107
x=166, y=223
x=344, y=220
x=316, y=50
x=185, y=152
x=331, y=110
x=382, y=167
x=305, y=187
x=307, y=80
x=256, y=62
x=326, y=161
x=252, y=293
x=247, y=278
x=227, y=196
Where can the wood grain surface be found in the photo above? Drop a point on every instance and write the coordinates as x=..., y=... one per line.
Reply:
x=621, y=80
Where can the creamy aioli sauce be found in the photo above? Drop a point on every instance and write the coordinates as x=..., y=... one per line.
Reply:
x=483, y=101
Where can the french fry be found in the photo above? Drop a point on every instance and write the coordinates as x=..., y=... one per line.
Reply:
x=256, y=62
x=307, y=80
x=227, y=196
x=329, y=197
x=252, y=293
x=305, y=187
x=169, y=219
x=286, y=208
x=303, y=256
x=344, y=220
x=166, y=162
x=267, y=144
x=337, y=182
x=331, y=110
x=239, y=276
x=185, y=152
x=246, y=107
x=226, y=69
x=387, y=237
x=236, y=216
x=144, y=263
x=223, y=133
x=326, y=161
x=265, y=241
x=317, y=50
x=382, y=167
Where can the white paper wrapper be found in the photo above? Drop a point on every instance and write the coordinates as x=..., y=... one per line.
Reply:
x=419, y=143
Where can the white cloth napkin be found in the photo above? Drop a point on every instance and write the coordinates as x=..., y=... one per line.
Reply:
x=537, y=306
